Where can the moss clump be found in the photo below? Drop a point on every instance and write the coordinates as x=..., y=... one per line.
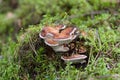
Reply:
x=99, y=19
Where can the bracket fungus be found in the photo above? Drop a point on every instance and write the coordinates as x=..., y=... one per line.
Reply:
x=74, y=58
x=58, y=37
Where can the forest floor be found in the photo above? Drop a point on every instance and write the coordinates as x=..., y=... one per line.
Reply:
x=24, y=56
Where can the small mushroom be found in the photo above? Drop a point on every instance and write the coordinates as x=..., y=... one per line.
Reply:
x=75, y=58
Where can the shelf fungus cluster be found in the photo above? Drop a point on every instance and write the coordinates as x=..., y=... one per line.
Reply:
x=63, y=39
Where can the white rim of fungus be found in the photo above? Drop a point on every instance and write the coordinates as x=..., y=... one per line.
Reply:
x=47, y=35
x=64, y=26
x=73, y=31
x=41, y=36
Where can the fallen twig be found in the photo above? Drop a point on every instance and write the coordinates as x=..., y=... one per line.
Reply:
x=32, y=46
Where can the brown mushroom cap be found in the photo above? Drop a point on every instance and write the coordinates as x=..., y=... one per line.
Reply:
x=46, y=30
x=51, y=42
x=67, y=31
x=52, y=30
x=67, y=35
x=64, y=33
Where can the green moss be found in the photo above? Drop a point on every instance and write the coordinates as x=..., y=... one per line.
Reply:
x=30, y=32
x=26, y=58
